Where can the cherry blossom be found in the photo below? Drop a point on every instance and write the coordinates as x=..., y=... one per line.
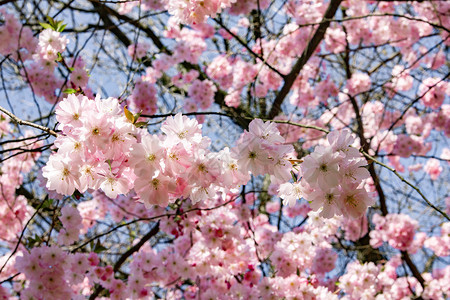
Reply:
x=243, y=150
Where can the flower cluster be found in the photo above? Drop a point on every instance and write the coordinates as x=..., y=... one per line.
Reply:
x=216, y=239
x=360, y=281
x=333, y=177
x=71, y=221
x=202, y=93
x=40, y=73
x=354, y=229
x=196, y=11
x=53, y=272
x=139, y=50
x=92, y=149
x=14, y=208
x=433, y=91
x=15, y=38
x=143, y=97
x=440, y=244
x=261, y=150
x=397, y=229
x=100, y=149
x=51, y=43
x=79, y=76
x=358, y=83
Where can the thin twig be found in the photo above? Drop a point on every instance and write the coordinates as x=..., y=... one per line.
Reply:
x=19, y=121
x=244, y=117
x=407, y=182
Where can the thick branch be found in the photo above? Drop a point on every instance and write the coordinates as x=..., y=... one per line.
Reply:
x=6, y=2
x=238, y=115
x=413, y=268
x=104, y=15
x=306, y=55
x=109, y=11
x=364, y=144
x=127, y=254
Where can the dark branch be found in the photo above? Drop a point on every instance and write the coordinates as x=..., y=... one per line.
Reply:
x=127, y=254
x=306, y=55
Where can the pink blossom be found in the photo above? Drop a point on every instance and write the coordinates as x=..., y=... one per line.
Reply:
x=70, y=112
x=61, y=174
x=324, y=260
x=154, y=190
x=272, y=207
x=290, y=193
x=360, y=281
x=181, y=128
x=358, y=83
x=321, y=167
x=328, y=200
x=70, y=217
x=147, y=155
x=202, y=92
x=335, y=40
x=354, y=201
x=433, y=168
x=233, y=99
x=139, y=50
x=143, y=97
x=433, y=91
x=440, y=244
x=355, y=229
x=253, y=158
x=51, y=43
x=79, y=77
x=401, y=81
x=397, y=229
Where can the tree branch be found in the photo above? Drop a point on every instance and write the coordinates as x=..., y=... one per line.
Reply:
x=27, y=123
x=127, y=254
x=104, y=15
x=3, y=2
x=245, y=45
x=413, y=268
x=407, y=182
x=306, y=55
x=148, y=31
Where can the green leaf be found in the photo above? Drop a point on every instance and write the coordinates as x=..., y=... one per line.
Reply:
x=31, y=242
x=141, y=124
x=55, y=25
x=46, y=26
x=47, y=203
x=51, y=21
x=61, y=27
x=129, y=115
x=136, y=116
x=294, y=176
x=60, y=58
x=69, y=91
x=99, y=248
